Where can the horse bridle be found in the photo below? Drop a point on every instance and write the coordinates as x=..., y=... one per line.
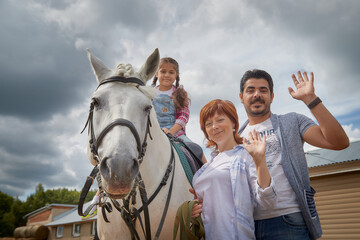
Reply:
x=95, y=142
x=128, y=216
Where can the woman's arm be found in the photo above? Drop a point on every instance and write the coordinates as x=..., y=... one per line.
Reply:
x=262, y=185
x=256, y=148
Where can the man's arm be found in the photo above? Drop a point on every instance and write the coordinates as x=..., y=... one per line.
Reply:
x=328, y=134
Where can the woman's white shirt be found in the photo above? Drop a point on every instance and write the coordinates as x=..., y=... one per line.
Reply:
x=227, y=184
x=213, y=186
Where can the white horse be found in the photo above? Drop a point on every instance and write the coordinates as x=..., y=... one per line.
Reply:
x=117, y=149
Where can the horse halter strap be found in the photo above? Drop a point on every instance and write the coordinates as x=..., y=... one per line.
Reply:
x=95, y=142
x=121, y=79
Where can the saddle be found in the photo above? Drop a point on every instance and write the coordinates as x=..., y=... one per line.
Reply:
x=190, y=155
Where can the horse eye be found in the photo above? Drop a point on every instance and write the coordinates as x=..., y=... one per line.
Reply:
x=95, y=102
x=147, y=108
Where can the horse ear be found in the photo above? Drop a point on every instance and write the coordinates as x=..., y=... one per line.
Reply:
x=100, y=70
x=150, y=67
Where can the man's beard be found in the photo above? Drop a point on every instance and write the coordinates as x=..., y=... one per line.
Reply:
x=256, y=113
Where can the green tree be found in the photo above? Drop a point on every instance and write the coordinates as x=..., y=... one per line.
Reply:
x=5, y=203
x=19, y=210
x=6, y=217
x=7, y=224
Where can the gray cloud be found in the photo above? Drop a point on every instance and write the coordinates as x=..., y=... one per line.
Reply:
x=41, y=152
x=41, y=73
x=329, y=25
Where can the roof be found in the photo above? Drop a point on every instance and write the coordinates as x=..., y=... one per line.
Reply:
x=47, y=207
x=70, y=216
x=322, y=157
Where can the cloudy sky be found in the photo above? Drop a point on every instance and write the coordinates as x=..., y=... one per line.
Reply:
x=46, y=81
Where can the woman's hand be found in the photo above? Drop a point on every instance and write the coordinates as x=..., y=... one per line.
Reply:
x=256, y=147
x=192, y=191
x=197, y=208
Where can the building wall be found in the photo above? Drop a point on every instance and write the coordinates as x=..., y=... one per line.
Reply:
x=85, y=232
x=47, y=215
x=41, y=218
x=338, y=199
x=57, y=210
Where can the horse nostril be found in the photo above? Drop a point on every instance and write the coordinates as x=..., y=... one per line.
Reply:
x=136, y=163
x=135, y=167
x=104, y=168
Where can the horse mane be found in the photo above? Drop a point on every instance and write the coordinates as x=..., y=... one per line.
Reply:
x=124, y=70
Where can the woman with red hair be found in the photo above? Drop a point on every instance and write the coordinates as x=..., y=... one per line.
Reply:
x=235, y=179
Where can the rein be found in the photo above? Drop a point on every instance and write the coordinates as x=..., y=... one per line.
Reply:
x=129, y=215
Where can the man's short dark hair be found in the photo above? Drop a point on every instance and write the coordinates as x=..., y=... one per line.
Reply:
x=258, y=74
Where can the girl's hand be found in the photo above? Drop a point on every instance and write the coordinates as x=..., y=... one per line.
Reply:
x=256, y=147
x=165, y=130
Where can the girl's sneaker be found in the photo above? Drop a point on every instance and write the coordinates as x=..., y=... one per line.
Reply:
x=93, y=210
x=90, y=215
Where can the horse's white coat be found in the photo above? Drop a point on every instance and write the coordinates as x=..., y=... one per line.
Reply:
x=119, y=100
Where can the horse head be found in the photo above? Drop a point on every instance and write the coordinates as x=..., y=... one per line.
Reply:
x=119, y=122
